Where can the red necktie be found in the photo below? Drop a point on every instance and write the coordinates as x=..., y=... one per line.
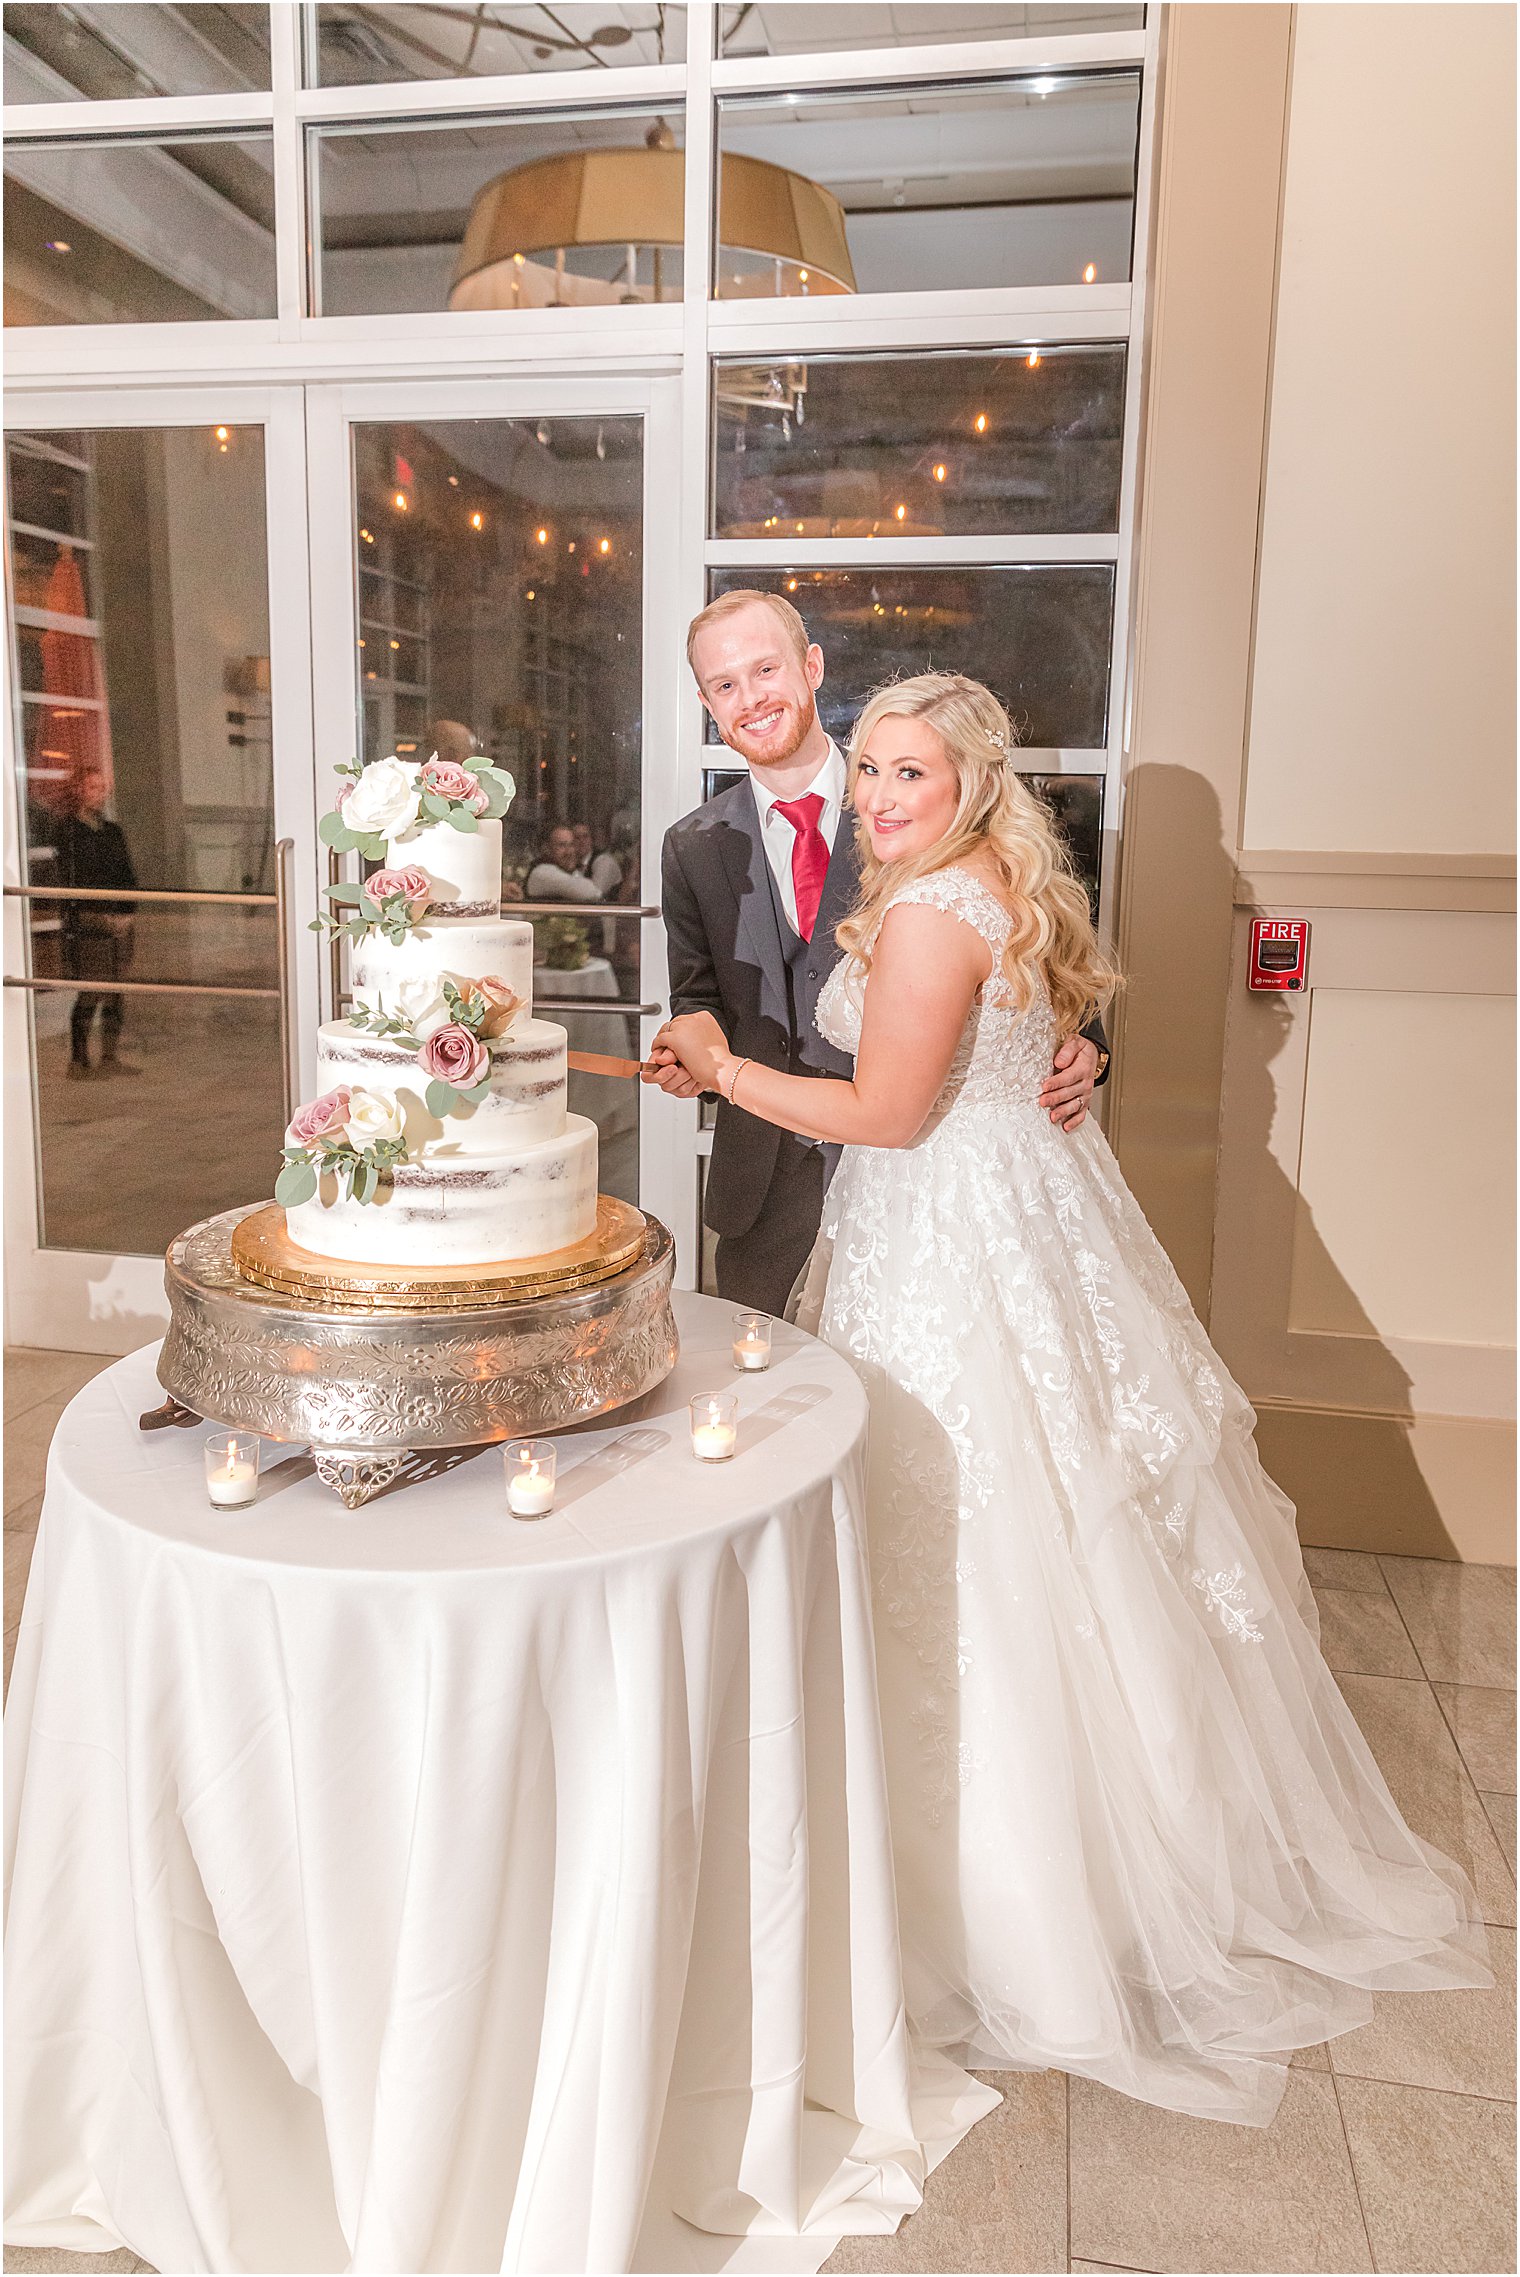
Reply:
x=810, y=857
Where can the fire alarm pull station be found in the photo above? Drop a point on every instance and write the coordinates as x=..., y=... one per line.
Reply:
x=1279, y=952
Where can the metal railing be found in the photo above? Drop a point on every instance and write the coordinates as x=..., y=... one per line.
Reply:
x=278, y=901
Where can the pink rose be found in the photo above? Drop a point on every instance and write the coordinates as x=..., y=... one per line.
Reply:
x=323, y=1118
x=447, y=780
x=415, y=884
x=502, y=1005
x=454, y=1056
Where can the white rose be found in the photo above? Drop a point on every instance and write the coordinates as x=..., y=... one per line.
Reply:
x=384, y=801
x=419, y=1002
x=372, y=1115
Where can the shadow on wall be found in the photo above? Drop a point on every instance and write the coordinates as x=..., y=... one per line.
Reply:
x=1353, y=1476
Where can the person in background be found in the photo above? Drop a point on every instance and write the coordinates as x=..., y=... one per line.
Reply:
x=556, y=875
x=97, y=935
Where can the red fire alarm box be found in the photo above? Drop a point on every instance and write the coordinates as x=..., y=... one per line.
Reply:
x=1279, y=952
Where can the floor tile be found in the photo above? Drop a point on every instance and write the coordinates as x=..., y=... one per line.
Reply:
x=41, y=2257
x=1362, y=1635
x=1436, y=2175
x=1403, y=1725
x=1461, y=1617
x=1345, y=1569
x=18, y=1562
x=1463, y=2042
x=1101, y=2268
x=999, y=2199
x=1482, y=1719
x=32, y=1375
x=26, y=1444
x=1153, y=2190
x=1316, y=2058
x=1501, y=1817
x=22, y=1517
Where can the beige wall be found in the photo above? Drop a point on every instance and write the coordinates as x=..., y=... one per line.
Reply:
x=1382, y=698
x=1334, y=1172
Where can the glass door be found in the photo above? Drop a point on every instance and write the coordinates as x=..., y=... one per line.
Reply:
x=160, y=988
x=492, y=566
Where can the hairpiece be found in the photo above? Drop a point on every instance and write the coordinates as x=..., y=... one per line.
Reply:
x=999, y=740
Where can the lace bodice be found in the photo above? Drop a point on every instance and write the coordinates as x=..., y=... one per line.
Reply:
x=1005, y=1051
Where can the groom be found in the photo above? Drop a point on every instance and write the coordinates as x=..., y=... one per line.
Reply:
x=753, y=885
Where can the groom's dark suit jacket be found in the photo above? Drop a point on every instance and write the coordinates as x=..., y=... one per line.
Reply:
x=732, y=953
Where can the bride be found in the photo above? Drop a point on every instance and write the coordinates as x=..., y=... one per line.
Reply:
x=1138, y=1833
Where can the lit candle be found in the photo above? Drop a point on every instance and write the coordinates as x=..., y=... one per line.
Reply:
x=232, y=1470
x=752, y=1341
x=530, y=1466
x=714, y=1426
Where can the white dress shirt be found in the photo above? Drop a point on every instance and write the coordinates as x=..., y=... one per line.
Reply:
x=778, y=835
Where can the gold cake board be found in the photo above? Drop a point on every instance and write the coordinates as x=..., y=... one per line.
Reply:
x=264, y=1253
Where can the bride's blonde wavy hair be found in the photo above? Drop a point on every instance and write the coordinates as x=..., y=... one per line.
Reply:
x=1052, y=938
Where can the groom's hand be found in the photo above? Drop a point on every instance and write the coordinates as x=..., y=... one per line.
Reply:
x=1069, y=1085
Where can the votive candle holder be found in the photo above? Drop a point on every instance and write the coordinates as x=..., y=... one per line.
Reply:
x=752, y=1342
x=714, y=1426
x=232, y=1469
x=530, y=1467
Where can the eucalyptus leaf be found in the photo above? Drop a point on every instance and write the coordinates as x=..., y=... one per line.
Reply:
x=462, y=819
x=297, y=1182
x=441, y=1097
x=478, y=1092
x=434, y=805
x=344, y=891
x=373, y=847
x=366, y=1179
x=334, y=831
x=369, y=908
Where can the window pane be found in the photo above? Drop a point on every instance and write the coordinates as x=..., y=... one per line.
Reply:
x=141, y=647
x=111, y=54
x=1076, y=806
x=797, y=27
x=1038, y=635
x=920, y=446
x=139, y=232
x=1023, y=182
x=362, y=45
x=500, y=581
x=580, y=210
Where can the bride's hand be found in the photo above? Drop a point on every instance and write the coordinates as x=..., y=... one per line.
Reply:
x=699, y=1044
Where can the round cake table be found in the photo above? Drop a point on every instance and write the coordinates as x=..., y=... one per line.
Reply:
x=418, y=1889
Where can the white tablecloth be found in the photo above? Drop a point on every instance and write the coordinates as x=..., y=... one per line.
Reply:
x=416, y=1889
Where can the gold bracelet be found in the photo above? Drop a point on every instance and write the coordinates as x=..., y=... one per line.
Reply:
x=733, y=1082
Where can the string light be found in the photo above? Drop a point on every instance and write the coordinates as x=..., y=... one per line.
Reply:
x=902, y=513
x=368, y=536
x=791, y=585
x=477, y=521
x=453, y=482
x=981, y=422
x=221, y=434
x=395, y=644
x=939, y=474
x=1089, y=274
x=400, y=502
x=605, y=546
x=1033, y=359
x=570, y=548
x=532, y=593
x=59, y=245
x=542, y=537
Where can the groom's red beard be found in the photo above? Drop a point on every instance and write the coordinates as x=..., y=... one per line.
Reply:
x=783, y=742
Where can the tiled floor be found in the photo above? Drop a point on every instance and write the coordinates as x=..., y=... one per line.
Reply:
x=1394, y=2148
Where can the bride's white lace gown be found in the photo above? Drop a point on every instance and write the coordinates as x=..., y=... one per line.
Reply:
x=1138, y=1833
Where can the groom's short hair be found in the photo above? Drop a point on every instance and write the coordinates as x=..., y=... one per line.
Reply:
x=728, y=604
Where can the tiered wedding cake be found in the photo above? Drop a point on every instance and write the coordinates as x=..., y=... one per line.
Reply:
x=440, y=1136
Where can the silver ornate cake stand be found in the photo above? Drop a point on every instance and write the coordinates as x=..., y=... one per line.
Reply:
x=366, y=1389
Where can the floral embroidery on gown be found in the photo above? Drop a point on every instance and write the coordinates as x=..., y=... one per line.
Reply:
x=1138, y=1833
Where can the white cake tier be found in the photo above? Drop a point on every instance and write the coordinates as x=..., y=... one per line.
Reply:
x=470, y=948
x=464, y=865
x=526, y=1103
x=486, y=1211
